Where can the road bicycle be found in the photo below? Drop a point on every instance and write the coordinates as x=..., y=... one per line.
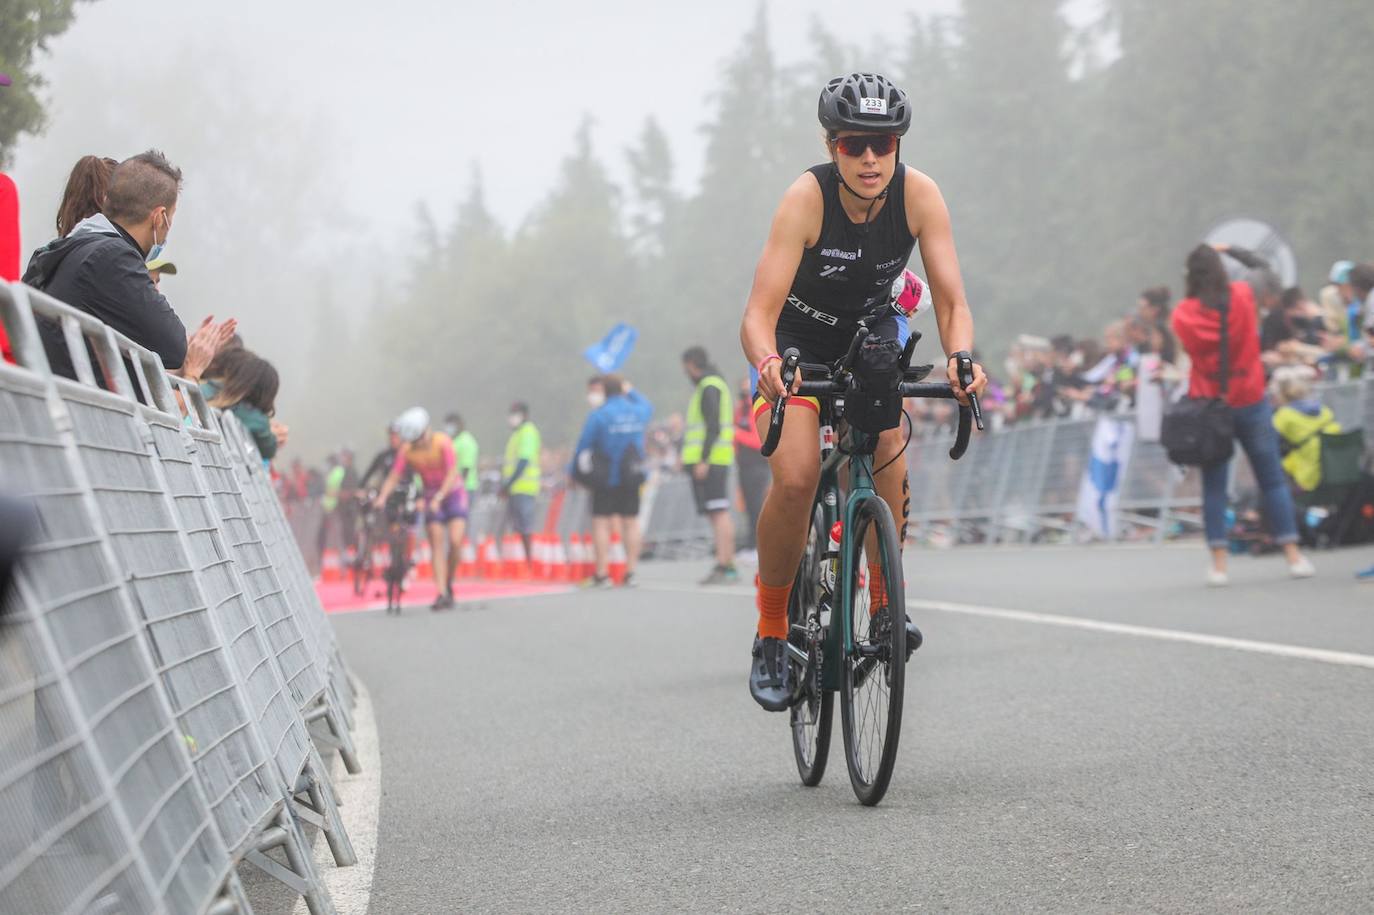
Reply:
x=367, y=535
x=838, y=642
x=393, y=526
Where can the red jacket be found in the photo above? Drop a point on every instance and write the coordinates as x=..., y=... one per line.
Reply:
x=9, y=246
x=1198, y=330
x=746, y=433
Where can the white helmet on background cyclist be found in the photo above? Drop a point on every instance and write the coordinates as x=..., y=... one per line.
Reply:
x=412, y=424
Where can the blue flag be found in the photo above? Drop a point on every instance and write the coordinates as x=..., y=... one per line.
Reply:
x=611, y=353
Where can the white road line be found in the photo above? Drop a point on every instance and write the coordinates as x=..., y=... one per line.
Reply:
x=360, y=805
x=1277, y=649
x=1321, y=655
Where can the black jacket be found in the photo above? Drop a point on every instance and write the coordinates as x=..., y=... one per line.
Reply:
x=99, y=269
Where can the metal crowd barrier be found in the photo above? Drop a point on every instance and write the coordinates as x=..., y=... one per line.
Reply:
x=1022, y=483
x=668, y=517
x=162, y=660
x=672, y=527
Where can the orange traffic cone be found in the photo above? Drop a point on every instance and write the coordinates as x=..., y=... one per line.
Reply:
x=467, y=560
x=507, y=554
x=424, y=560
x=540, y=566
x=330, y=569
x=616, y=560
x=488, y=560
x=576, y=558
x=520, y=565
x=588, y=555
x=558, y=570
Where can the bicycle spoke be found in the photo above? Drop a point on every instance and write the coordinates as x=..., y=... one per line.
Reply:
x=872, y=698
x=810, y=716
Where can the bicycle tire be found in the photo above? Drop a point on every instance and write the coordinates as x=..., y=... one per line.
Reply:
x=810, y=718
x=398, y=565
x=874, y=664
x=362, y=565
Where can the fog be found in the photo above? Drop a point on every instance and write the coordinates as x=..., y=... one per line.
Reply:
x=399, y=201
x=402, y=99
x=312, y=131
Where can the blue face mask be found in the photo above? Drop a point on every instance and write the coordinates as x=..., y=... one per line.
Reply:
x=156, y=250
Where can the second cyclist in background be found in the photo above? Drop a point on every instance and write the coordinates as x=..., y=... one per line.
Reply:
x=430, y=455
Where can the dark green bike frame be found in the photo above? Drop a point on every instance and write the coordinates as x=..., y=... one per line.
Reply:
x=839, y=640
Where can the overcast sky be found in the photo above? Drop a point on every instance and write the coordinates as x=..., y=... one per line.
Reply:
x=413, y=92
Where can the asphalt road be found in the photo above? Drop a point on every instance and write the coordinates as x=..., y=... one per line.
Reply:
x=598, y=751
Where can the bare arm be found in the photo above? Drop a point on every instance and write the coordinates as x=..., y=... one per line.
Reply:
x=388, y=487
x=796, y=225
x=928, y=218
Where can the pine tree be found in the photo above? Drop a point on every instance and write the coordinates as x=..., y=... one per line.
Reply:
x=726, y=223
x=656, y=202
x=1002, y=146
x=26, y=27
x=581, y=278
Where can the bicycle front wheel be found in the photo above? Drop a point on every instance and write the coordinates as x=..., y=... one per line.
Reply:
x=362, y=565
x=811, y=715
x=873, y=676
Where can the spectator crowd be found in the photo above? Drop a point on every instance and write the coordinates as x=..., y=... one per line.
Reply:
x=109, y=259
x=1136, y=361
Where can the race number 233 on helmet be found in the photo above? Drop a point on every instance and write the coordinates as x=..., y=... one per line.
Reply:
x=864, y=101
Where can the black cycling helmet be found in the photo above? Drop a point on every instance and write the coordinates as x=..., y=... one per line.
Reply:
x=864, y=101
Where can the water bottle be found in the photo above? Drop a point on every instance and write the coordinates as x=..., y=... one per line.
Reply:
x=832, y=556
x=827, y=439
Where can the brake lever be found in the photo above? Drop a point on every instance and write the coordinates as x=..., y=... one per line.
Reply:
x=790, y=358
x=860, y=334
x=909, y=349
x=965, y=370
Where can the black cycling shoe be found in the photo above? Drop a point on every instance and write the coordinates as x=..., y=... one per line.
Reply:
x=770, y=676
x=914, y=639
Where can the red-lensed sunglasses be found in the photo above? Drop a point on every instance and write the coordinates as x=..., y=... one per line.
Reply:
x=880, y=143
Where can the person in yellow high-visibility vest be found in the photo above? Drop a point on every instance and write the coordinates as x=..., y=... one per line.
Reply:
x=708, y=451
x=520, y=474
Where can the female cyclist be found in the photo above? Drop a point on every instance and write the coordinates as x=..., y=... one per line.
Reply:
x=842, y=234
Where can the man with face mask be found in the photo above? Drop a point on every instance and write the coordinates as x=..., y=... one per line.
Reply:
x=465, y=449
x=520, y=474
x=101, y=266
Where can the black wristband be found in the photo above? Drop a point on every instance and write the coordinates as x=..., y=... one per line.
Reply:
x=963, y=353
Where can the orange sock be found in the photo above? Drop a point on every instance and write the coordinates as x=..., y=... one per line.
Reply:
x=877, y=588
x=772, y=603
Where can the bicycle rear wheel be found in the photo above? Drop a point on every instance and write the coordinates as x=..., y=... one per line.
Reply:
x=398, y=565
x=810, y=717
x=873, y=678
